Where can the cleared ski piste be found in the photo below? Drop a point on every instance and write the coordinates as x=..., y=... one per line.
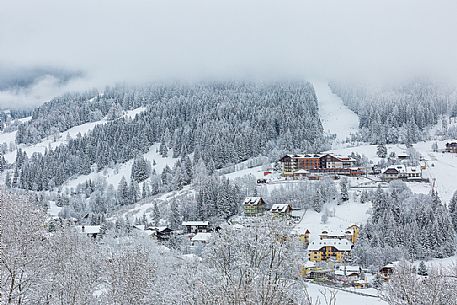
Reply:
x=335, y=117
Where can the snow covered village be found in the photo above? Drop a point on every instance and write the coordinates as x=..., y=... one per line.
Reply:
x=228, y=153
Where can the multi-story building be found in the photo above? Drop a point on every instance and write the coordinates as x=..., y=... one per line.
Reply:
x=253, y=206
x=329, y=249
x=291, y=164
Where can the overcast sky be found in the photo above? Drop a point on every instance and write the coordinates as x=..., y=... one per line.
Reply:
x=111, y=41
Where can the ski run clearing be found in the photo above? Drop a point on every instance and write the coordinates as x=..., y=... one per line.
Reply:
x=335, y=117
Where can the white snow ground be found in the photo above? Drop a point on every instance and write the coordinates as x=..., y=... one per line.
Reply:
x=61, y=139
x=342, y=297
x=114, y=176
x=335, y=117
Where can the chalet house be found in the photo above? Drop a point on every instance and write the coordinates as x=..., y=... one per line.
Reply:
x=451, y=147
x=313, y=270
x=386, y=271
x=403, y=172
x=329, y=249
x=195, y=226
x=253, y=206
x=349, y=272
x=90, y=231
x=281, y=210
x=161, y=233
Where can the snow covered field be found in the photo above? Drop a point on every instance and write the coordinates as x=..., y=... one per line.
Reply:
x=60, y=139
x=114, y=175
x=343, y=297
x=335, y=117
x=346, y=214
x=440, y=166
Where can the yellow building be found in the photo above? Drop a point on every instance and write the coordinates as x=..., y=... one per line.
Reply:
x=355, y=230
x=304, y=237
x=329, y=249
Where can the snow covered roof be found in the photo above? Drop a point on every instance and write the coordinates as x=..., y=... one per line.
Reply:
x=400, y=168
x=202, y=237
x=348, y=270
x=335, y=233
x=253, y=200
x=279, y=208
x=139, y=227
x=301, y=171
x=340, y=245
x=88, y=229
x=391, y=265
x=309, y=264
x=158, y=229
x=195, y=223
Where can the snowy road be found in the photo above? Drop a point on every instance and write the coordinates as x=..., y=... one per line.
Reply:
x=336, y=118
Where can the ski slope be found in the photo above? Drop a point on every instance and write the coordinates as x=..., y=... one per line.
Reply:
x=335, y=117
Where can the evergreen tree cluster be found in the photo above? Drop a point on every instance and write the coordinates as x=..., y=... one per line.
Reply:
x=76, y=108
x=217, y=198
x=141, y=169
x=398, y=114
x=221, y=123
x=405, y=225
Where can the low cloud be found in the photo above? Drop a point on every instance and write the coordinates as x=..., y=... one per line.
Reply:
x=146, y=40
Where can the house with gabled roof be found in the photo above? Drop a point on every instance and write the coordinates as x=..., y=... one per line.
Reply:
x=253, y=206
x=281, y=210
x=404, y=172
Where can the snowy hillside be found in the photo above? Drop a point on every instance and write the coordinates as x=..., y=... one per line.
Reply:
x=114, y=175
x=60, y=138
x=336, y=117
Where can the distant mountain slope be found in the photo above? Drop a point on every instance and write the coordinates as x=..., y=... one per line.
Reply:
x=221, y=123
x=400, y=113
